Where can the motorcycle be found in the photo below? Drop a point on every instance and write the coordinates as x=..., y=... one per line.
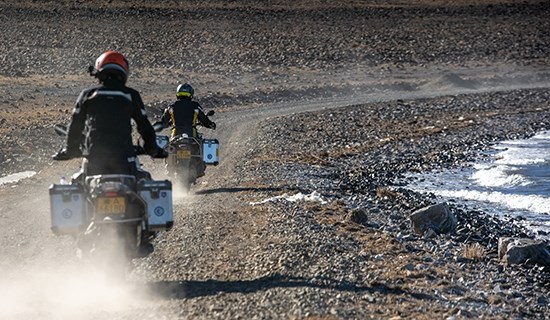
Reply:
x=114, y=217
x=189, y=156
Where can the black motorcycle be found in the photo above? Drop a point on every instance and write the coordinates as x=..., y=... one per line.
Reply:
x=113, y=217
x=189, y=156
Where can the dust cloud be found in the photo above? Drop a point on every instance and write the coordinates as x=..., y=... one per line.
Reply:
x=180, y=193
x=50, y=287
x=67, y=292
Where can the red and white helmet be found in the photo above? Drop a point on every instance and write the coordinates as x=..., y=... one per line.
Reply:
x=112, y=61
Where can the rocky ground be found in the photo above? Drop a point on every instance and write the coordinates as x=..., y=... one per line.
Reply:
x=358, y=169
x=355, y=255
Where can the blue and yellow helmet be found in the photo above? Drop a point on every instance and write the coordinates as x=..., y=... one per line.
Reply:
x=185, y=90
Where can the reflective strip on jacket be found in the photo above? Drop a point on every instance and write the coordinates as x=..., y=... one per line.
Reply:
x=101, y=122
x=183, y=116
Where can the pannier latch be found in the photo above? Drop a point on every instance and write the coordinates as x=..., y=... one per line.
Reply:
x=155, y=193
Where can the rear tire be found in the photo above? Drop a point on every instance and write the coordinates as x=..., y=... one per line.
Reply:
x=184, y=176
x=112, y=252
x=107, y=250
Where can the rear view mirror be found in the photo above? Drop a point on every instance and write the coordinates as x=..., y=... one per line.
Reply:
x=210, y=113
x=61, y=129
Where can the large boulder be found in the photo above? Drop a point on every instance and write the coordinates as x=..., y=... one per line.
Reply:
x=433, y=220
x=523, y=250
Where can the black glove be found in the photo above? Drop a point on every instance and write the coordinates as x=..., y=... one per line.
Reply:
x=139, y=150
x=64, y=154
x=212, y=125
x=159, y=153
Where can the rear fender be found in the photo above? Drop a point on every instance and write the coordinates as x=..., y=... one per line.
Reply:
x=116, y=186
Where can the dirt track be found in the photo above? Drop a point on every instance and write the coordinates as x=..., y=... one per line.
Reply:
x=252, y=63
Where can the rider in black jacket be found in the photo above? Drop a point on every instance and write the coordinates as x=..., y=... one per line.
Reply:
x=101, y=128
x=185, y=114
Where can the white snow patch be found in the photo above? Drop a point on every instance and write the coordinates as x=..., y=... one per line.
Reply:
x=314, y=197
x=11, y=178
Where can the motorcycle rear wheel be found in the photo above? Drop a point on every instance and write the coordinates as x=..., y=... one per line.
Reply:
x=184, y=175
x=109, y=249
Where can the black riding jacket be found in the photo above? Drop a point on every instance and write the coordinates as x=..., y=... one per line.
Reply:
x=101, y=122
x=184, y=115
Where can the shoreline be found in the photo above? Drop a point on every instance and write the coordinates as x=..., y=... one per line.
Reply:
x=353, y=183
x=496, y=195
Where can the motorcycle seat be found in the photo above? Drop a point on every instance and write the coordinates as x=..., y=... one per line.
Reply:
x=94, y=181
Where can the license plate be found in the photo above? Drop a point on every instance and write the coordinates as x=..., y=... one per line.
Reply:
x=111, y=205
x=183, y=154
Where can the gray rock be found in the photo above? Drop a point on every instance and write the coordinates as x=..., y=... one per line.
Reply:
x=522, y=250
x=436, y=219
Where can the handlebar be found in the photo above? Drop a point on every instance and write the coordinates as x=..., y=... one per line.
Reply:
x=62, y=154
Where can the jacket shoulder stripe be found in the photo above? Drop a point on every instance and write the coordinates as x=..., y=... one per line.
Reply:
x=127, y=96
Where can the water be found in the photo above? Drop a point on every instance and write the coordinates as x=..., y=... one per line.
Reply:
x=516, y=182
x=12, y=178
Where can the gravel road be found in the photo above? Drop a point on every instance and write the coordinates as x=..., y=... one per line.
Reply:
x=330, y=103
